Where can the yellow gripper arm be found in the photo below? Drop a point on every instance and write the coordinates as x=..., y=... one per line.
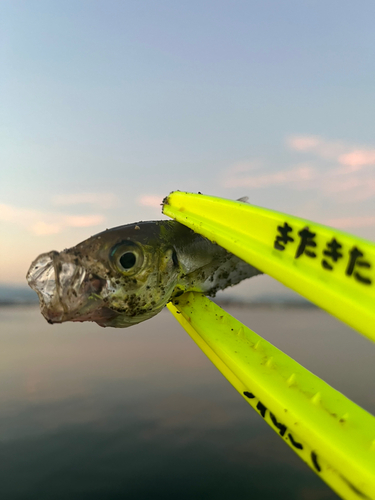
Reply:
x=336, y=271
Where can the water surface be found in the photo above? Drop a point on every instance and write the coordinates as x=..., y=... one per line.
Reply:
x=141, y=413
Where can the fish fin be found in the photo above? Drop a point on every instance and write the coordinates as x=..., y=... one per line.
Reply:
x=244, y=199
x=231, y=272
x=219, y=275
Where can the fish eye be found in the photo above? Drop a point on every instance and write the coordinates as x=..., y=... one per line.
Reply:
x=127, y=257
x=128, y=260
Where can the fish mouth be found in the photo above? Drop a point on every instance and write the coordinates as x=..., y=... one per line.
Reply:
x=66, y=291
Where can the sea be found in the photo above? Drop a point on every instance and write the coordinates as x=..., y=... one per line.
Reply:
x=93, y=413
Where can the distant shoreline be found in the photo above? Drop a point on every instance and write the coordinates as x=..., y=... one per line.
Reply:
x=220, y=303
x=15, y=296
x=18, y=304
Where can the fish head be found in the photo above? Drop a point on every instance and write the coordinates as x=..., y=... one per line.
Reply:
x=117, y=278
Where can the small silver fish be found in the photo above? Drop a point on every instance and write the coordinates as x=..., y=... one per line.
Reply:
x=127, y=274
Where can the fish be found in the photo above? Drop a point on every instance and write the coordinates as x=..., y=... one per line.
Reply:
x=127, y=274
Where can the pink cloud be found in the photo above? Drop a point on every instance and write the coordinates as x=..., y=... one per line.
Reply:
x=352, y=189
x=102, y=200
x=327, y=150
x=303, y=142
x=41, y=228
x=341, y=171
x=344, y=154
x=349, y=222
x=150, y=200
x=348, y=177
x=83, y=220
x=358, y=158
x=42, y=223
x=303, y=173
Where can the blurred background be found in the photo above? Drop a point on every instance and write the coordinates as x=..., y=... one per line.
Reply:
x=106, y=107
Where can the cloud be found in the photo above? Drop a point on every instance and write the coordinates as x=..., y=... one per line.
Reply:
x=358, y=158
x=348, y=171
x=40, y=228
x=351, y=222
x=350, y=184
x=102, y=200
x=339, y=170
x=150, y=200
x=42, y=223
x=83, y=220
x=327, y=150
x=298, y=175
x=344, y=154
x=303, y=142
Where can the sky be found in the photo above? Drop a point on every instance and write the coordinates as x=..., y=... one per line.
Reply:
x=108, y=106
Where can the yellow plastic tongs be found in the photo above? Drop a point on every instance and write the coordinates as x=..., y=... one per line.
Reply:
x=336, y=271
